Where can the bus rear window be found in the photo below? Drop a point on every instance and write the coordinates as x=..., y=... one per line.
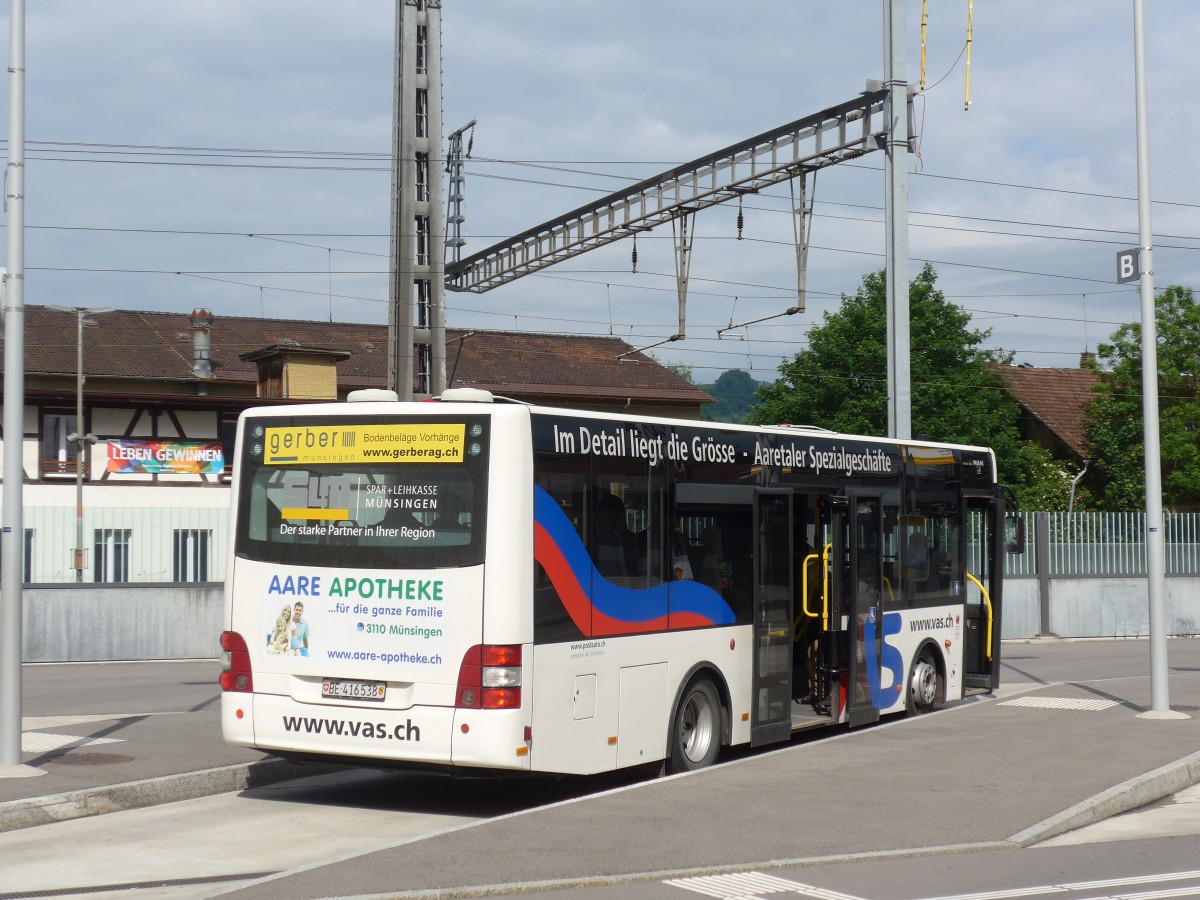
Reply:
x=306, y=508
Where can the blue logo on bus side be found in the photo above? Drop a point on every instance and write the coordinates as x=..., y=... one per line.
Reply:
x=891, y=660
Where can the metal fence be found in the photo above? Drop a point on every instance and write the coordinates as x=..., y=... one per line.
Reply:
x=180, y=545
x=126, y=544
x=1083, y=545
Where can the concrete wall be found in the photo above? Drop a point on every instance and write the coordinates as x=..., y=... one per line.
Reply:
x=69, y=623
x=168, y=621
x=1022, y=609
x=1096, y=607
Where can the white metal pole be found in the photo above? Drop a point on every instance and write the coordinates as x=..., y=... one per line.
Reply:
x=80, y=443
x=12, y=538
x=895, y=177
x=1160, y=704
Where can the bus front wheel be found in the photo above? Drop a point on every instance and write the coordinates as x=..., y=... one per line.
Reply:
x=923, y=684
x=696, y=728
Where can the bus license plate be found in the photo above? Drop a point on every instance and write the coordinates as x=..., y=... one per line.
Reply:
x=332, y=688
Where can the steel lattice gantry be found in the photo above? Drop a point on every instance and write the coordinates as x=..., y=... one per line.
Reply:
x=834, y=135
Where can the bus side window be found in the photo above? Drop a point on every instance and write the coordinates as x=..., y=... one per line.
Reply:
x=917, y=556
x=552, y=622
x=931, y=567
x=720, y=553
x=711, y=553
x=614, y=547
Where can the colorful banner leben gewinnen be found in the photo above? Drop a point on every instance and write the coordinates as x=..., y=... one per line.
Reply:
x=127, y=456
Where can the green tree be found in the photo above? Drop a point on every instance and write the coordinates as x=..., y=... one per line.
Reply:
x=1114, y=417
x=734, y=390
x=958, y=395
x=1040, y=481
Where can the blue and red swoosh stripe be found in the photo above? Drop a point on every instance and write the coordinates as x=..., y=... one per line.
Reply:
x=597, y=606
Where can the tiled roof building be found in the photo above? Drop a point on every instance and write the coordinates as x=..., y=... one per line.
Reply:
x=1052, y=406
x=144, y=495
x=139, y=353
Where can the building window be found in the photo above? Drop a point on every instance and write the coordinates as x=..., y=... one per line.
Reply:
x=58, y=454
x=227, y=432
x=110, y=554
x=26, y=557
x=190, y=553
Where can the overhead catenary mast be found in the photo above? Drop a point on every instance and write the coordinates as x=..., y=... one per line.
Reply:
x=455, y=214
x=416, y=293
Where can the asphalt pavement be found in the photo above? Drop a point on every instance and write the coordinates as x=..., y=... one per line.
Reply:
x=103, y=737
x=1040, y=758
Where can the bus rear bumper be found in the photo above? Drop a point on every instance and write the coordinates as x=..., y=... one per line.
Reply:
x=492, y=738
x=435, y=735
x=277, y=723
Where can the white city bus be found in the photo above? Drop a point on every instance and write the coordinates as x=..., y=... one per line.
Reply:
x=478, y=584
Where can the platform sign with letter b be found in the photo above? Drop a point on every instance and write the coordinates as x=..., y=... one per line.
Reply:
x=1127, y=266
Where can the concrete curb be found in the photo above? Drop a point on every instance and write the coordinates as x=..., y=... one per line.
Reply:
x=1147, y=788
x=17, y=814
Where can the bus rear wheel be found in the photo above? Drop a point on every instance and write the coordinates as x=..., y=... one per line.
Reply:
x=923, y=684
x=696, y=728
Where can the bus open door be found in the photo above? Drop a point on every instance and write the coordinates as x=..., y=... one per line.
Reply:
x=981, y=656
x=773, y=614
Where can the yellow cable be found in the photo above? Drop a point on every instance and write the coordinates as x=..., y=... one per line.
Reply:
x=924, y=25
x=970, y=30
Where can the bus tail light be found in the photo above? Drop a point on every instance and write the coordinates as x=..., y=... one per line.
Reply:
x=235, y=674
x=490, y=677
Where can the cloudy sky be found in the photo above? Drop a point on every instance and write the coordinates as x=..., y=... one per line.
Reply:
x=233, y=154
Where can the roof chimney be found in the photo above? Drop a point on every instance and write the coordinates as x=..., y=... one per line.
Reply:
x=288, y=371
x=202, y=321
x=1086, y=359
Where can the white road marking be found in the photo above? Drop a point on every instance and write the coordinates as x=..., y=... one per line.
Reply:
x=1060, y=703
x=1178, y=891
x=40, y=742
x=751, y=886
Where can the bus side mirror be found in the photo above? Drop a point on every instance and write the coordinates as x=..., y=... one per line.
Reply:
x=1014, y=534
